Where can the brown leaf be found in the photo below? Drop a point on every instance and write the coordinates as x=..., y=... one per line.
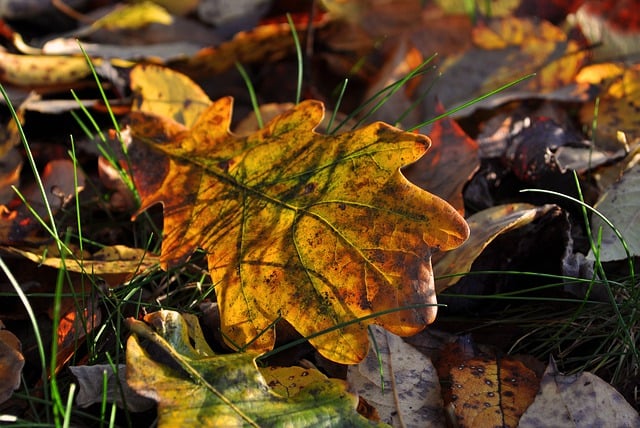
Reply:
x=11, y=363
x=267, y=42
x=449, y=165
x=18, y=224
x=488, y=392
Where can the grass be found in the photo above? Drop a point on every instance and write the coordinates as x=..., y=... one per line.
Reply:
x=599, y=332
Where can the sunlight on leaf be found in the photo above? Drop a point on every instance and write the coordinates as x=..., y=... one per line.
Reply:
x=167, y=93
x=485, y=226
x=618, y=104
x=195, y=387
x=312, y=228
x=133, y=16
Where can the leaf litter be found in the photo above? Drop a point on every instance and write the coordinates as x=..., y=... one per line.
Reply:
x=481, y=181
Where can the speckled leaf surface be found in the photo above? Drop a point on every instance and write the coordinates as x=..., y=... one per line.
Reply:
x=400, y=382
x=317, y=229
x=583, y=400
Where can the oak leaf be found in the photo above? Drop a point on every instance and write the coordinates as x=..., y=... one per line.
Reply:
x=319, y=230
x=492, y=392
x=195, y=387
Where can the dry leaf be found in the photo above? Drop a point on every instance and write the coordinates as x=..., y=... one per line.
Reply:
x=11, y=363
x=167, y=93
x=450, y=163
x=72, y=329
x=491, y=393
x=36, y=70
x=61, y=181
x=485, y=226
x=620, y=205
x=267, y=42
x=91, y=382
x=506, y=50
x=290, y=381
x=327, y=223
x=399, y=381
x=580, y=401
x=618, y=105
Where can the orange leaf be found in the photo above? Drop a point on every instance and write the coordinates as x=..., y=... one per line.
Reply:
x=316, y=229
x=488, y=392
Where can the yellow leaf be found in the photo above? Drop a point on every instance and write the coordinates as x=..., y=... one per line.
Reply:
x=527, y=46
x=177, y=7
x=289, y=381
x=167, y=93
x=195, y=387
x=134, y=16
x=618, y=107
x=31, y=70
x=319, y=230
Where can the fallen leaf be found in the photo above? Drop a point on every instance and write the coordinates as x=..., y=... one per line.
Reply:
x=451, y=354
x=491, y=393
x=11, y=363
x=289, y=381
x=619, y=204
x=504, y=51
x=167, y=93
x=403, y=58
x=10, y=168
x=543, y=48
x=612, y=26
x=195, y=387
x=133, y=16
x=61, y=181
x=117, y=259
x=582, y=400
x=37, y=70
x=92, y=381
x=72, y=329
x=230, y=17
x=448, y=165
x=267, y=42
x=328, y=224
x=485, y=226
x=618, y=104
x=176, y=7
x=399, y=381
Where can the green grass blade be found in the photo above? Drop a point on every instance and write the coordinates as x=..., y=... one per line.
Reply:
x=296, y=41
x=252, y=94
x=472, y=102
x=336, y=107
